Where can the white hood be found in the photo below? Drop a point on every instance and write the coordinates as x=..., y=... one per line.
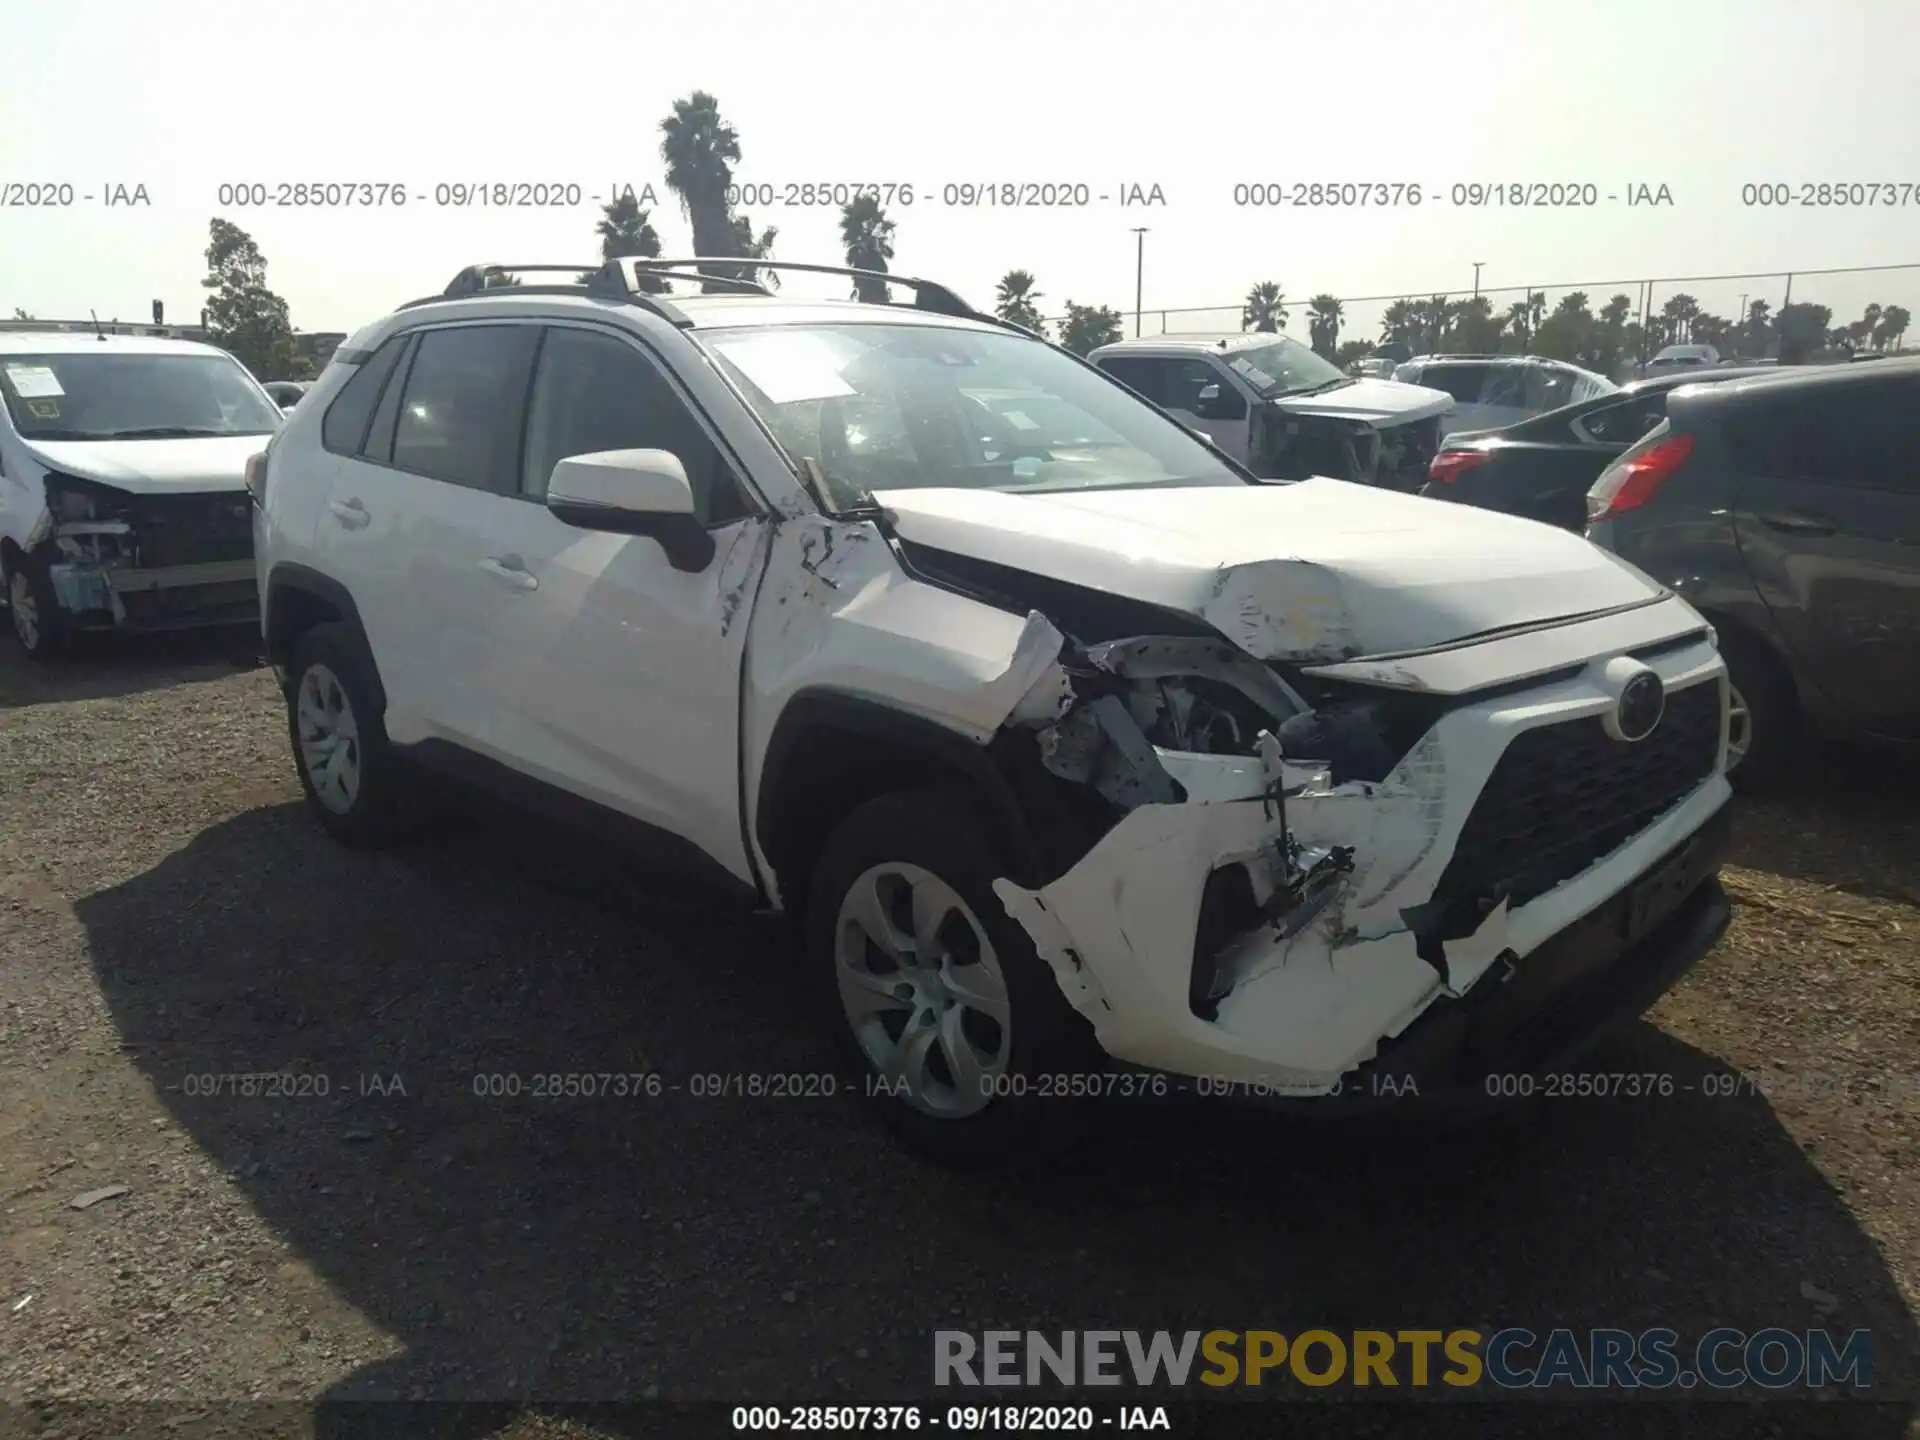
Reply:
x=1379, y=402
x=1316, y=571
x=151, y=467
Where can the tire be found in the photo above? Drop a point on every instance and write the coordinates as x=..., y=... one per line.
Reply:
x=1772, y=718
x=358, y=798
x=936, y=846
x=33, y=612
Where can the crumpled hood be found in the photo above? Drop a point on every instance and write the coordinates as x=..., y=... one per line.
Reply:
x=150, y=467
x=1378, y=402
x=1315, y=571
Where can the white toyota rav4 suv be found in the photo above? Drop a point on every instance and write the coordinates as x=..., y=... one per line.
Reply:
x=1071, y=748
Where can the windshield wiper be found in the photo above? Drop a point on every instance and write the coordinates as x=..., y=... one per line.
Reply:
x=1338, y=382
x=167, y=432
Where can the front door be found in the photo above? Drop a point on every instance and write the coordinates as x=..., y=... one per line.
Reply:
x=617, y=677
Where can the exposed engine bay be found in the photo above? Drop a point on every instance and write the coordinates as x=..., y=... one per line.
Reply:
x=148, y=559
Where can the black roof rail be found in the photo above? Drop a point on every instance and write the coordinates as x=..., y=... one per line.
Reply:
x=605, y=280
x=927, y=294
x=619, y=279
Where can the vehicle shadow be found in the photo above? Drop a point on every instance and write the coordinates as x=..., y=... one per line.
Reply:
x=1848, y=817
x=101, y=666
x=547, y=1252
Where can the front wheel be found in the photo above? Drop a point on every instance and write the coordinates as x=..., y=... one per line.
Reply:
x=1762, y=719
x=34, y=610
x=935, y=992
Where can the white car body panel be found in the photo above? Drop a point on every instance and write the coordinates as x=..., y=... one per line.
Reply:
x=1317, y=570
x=657, y=693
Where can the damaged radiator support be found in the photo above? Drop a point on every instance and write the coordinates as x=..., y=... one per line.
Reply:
x=1203, y=697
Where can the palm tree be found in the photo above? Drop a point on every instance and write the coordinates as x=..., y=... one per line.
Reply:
x=1017, y=300
x=700, y=150
x=756, y=247
x=625, y=230
x=1520, y=320
x=1678, y=313
x=1396, y=324
x=1265, y=308
x=1893, y=324
x=1088, y=327
x=1323, y=324
x=868, y=236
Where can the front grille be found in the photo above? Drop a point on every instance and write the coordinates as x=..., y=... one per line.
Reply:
x=191, y=529
x=1562, y=796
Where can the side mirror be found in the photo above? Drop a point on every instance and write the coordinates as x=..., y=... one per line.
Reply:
x=633, y=492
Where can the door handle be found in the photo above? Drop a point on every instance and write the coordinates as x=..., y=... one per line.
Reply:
x=510, y=570
x=350, y=513
x=1799, y=522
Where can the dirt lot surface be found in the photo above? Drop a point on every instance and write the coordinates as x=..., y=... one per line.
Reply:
x=169, y=912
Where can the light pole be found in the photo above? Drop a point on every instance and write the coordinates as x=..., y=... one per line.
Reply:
x=1139, y=271
x=1476, y=278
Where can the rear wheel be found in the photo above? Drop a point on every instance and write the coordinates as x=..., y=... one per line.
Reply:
x=347, y=769
x=937, y=996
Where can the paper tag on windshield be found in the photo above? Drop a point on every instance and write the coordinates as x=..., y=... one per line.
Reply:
x=787, y=367
x=33, y=381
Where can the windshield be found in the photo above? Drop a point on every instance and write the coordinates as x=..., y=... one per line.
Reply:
x=894, y=407
x=78, y=395
x=1285, y=367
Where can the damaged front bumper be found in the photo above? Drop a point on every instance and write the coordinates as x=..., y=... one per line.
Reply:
x=1275, y=931
x=138, y=562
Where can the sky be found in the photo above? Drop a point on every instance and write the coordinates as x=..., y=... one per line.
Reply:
x=1702, y=97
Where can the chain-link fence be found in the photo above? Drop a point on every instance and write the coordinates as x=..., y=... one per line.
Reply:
x=1867, y=301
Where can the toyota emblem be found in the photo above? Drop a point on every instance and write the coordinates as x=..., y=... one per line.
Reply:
x=1643, y=700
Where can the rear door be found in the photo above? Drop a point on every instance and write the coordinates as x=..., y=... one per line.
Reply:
x=1828, y=515
x=406, y=519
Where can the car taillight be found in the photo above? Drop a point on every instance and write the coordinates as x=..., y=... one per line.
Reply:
x=1448, y=464
x=257, y=478
x=1630, y=481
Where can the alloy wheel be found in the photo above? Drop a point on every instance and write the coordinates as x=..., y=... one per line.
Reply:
x=1739, y=727
x=329, y=739
x=923, y=990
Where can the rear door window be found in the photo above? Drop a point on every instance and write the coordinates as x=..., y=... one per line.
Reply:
x=460, y=417
x=1626, y=421
x=1136, y=372
x=1464, y=382
x=1852, y=434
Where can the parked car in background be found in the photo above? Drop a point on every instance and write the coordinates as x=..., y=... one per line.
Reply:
x=1682, y=357
x=1061, y=738
x=122, y=484
x=1373, y=367
x=1786, y=508
x=1494, y=390
x=1281, y=409
x=286, y=393
x=1543, y=467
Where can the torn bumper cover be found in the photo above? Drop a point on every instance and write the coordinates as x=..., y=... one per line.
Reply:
x=147, y=562
x=1516, y=881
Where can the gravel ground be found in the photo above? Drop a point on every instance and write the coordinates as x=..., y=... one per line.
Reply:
x=168, y=911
